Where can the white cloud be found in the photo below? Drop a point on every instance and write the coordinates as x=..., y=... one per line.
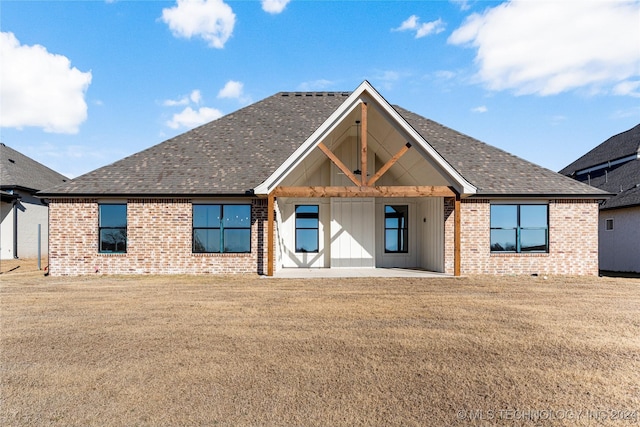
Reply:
x=480, y=109
x=545, y=47
x=190, y=118
x=195, y=96
x=176, y=102
x=433, y=27
x=630, y=88
x=274, y=6
x=462, y=4
x=39, y=88
x=212, y=20
x=234, y=90
x=412, y=24
x=231, y=89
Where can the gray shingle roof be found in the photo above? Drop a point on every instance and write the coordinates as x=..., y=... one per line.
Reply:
x=623, y=179
x=618, y=146
x=492, y=170
x=20, y=171
x=230, y=155
x=234, y=154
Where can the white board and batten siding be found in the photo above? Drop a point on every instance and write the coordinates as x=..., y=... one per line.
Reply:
x=353, y=232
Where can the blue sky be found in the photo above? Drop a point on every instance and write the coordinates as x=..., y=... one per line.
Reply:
x=85, y=83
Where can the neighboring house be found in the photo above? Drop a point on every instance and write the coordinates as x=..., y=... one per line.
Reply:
x=614, y=166
x=323, y=180
x=20, y=210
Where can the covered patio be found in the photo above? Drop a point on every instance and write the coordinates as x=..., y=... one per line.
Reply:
x=362, y=163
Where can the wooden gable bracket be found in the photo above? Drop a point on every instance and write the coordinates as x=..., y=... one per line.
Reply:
x=362, y=182
x=388, y=165
x=336, y=161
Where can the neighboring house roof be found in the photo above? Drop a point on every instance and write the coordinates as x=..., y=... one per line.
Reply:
x=18, y=171
x=613, y=166
x=617, y=147
x=235, y=154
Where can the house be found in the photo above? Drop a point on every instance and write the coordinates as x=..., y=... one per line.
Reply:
x=21, y=212
x=323, y=180
x=614, y=166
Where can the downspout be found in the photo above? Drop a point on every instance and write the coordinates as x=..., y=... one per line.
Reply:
x=15, y=229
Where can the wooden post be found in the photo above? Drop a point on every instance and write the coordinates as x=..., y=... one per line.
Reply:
x=363, y=145
x=456, y=237
x=270, y=234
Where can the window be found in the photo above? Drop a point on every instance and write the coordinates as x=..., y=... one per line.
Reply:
x=519, y=228
x=396, y=232
x=112, y=228
x=608, y=224
x=221, y=228
x=307, y=224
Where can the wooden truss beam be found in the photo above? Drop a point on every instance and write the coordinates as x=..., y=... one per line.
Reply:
x=336, y=161
x=383, y=191
x=388, y=165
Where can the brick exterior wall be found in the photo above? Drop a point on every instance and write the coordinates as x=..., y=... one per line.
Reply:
x=573, y=241
x=159, y=241
x=159, y=234
x=449, y=230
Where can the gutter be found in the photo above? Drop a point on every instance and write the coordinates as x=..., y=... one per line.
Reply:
x=248, y=193
x=608, y=164
x=15, y=229
x=599, y=196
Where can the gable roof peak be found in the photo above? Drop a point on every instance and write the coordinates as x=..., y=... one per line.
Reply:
x=364, y=93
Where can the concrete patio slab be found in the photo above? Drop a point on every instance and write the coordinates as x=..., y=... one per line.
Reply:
x=323, y=273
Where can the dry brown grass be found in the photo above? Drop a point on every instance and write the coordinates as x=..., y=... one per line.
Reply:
x=175, y=351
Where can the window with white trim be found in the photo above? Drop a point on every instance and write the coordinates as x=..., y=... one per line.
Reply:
x=396, y=229
x=307, y=228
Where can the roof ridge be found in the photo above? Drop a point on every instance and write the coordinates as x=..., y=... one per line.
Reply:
x=315, y=93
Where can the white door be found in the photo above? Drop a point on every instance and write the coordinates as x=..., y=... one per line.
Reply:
x=353, y=232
